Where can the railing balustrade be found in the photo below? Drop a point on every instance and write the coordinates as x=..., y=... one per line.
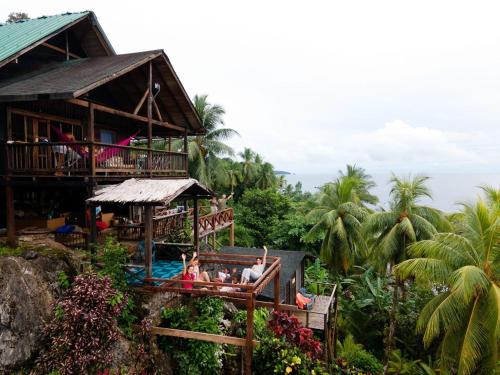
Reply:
x=75, y=159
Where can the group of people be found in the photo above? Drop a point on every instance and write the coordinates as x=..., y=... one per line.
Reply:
x=218, y=205
x=191, y=272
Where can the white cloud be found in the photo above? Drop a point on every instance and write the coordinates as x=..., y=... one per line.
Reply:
x=395, y=146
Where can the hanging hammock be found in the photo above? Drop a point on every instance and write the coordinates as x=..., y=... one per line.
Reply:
x=103, y=155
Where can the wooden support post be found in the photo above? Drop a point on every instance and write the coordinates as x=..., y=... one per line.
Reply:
x=91, y=138
x=277, y=297
x=249, y=345
x=141, y=102
x=93, y=231
x=10, y=217
x=214, y=240
x=196, y=227
x=186, y=151
x=150, y=117
x=231, y=235
x=148, y=240
x=334, y=334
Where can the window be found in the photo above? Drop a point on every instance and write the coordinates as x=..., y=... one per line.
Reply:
x=107, y=136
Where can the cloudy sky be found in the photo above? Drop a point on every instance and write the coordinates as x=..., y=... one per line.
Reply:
x=390, y=85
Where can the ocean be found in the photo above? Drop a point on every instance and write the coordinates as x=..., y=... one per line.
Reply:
x=448, y=189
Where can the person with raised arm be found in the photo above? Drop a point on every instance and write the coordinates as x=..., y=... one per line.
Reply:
x=187, y=273
x=253, y=274
x=200, y=275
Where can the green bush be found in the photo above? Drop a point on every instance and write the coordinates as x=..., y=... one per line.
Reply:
x=193, y=356
x=358, y=357
x=113, y=258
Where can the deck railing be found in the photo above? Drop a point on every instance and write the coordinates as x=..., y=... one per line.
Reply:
x=86, y=159
x=217, y=221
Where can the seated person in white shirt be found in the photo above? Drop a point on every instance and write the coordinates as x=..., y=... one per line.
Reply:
x=252, y=274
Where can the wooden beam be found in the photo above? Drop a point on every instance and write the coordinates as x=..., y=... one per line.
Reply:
x=141, y=102
x=231, y=235
x=91, y=138
x=148, y=239
x=43, y=116
x=117, y=112
x=218, y=339
x=61, y=50
x=157, y=110
x=66, y=44
x=150, y=115
x=9, y=124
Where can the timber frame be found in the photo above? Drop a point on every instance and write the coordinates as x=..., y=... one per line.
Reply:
x=247, y=297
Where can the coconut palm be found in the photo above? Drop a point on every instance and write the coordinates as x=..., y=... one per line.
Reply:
x=266, y=177
x=364, y=183
x=465, y=316
x=209, y=145
x=249, y=167
x=390, y=232
x=340, y=219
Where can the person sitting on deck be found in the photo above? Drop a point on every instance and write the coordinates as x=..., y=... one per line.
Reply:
x=187, y=273
x=200, y=276
x=234, y=280
x=253, y=274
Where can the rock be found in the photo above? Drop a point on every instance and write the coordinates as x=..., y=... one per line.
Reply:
x=30, y=254
x=28, y=290
x=229, y=309
x=226, y=323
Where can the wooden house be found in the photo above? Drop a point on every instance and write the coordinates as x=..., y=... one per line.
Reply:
x=75, y=115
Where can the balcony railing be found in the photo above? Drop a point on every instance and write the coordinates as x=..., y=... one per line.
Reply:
x=86, y=159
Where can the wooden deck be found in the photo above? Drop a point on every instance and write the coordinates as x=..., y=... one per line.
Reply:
x=318, y=316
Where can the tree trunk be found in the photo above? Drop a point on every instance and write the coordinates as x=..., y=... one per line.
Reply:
x=392, y=322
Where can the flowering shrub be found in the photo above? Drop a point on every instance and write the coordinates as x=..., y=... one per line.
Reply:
x=276, y=356
x=289, y=327
x=83, y=327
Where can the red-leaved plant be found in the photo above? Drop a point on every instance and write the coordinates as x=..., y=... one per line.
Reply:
x=83, y=327
x=289, y=327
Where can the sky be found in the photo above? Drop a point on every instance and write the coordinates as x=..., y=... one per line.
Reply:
x=403, y=86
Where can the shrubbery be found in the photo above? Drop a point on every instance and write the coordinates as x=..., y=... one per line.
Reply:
x=192, y=356
x=84, y=326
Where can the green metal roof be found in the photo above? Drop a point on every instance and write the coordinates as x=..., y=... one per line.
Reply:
x=16, y=36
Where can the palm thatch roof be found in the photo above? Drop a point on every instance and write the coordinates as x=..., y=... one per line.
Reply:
x=150, y=192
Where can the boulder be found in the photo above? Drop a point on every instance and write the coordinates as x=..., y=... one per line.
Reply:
x=28, y=290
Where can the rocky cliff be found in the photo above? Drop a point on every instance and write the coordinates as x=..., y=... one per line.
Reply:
x=28, y=289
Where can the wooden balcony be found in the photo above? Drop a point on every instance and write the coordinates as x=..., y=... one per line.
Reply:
x=91, y=160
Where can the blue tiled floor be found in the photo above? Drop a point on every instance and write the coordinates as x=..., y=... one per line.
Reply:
x=164, y=269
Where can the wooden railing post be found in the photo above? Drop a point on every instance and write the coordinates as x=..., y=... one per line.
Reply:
x=150, y=118
x=91, y=139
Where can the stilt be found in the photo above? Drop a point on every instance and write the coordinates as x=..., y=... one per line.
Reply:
x=93, y=231
x=214, y=240
x=277, y=296
x=10, y=216
x=196, y=228
x=231, y=235
x=148, y=240
x=249, y=345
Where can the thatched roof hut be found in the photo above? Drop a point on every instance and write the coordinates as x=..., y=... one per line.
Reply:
x=150, y=192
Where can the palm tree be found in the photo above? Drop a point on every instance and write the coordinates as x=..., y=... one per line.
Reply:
x=249, y=168
x=203, y=147
x=363, y=185
x=465, y=266
x=340, y=219
x=266, y=177
x=390, y=232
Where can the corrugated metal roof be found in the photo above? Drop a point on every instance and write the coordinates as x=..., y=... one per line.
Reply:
x=16, y=36
x=65, y=79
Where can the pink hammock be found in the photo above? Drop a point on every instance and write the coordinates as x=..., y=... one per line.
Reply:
x=104, y=155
